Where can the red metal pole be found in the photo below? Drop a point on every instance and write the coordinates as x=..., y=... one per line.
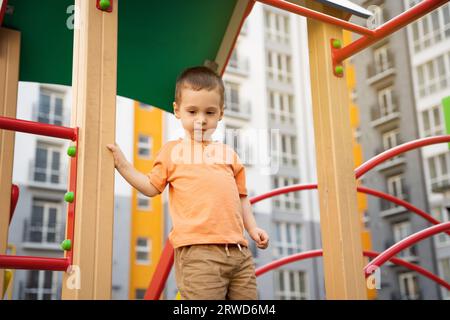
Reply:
x=161, y=273
x=371, y=254
x=405, y=243
x=33, y=127
x=365, y=167
x=33, y=263
x=416, y=12
x=317, y=16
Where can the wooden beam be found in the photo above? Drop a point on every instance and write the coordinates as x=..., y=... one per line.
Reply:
x=9, y=80
x=340, y=223
x=93, y=111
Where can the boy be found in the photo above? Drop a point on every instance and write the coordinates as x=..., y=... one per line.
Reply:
x=207, y=196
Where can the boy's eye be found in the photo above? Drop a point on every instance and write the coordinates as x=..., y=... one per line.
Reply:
x=211, y=112
x=191, y=112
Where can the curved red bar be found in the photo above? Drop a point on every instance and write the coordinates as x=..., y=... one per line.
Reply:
x=318, y=253
x=405, y=243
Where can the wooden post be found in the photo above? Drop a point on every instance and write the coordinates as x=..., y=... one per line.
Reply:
x=339, y=219
x=9, y=80
x=93, y=111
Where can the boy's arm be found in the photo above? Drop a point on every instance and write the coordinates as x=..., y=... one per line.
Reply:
x=137, y=179
x=259, y=235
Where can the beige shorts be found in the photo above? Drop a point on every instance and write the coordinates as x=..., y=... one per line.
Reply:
x=215, y=272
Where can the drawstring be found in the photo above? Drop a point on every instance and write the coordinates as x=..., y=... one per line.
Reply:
x=228, y=252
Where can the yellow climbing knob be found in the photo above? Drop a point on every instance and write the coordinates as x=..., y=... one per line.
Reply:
x=104, y=4
x=72, y=151
x=66, y=245
x=69, y=196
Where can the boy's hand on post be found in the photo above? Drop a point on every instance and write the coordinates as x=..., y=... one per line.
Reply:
x=261, y=237
x=119, y=157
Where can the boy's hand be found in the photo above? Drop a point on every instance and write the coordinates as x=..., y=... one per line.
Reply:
x=260, y=236
x=119, y=157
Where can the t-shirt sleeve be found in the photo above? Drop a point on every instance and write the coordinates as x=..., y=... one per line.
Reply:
x=239, y=176
x=159, y=172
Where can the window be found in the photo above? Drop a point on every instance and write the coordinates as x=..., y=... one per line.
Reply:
x=386, y=102
x=50, y=107
x=401, y=230
x=279, y=67
x=277, y=27
x=281, y=108
x=143, y=202
x=409, y=288
x=41, y=285
x=391, y=139
x=443, y=215
x=45, y=225
x=444, y=266
x=434, y=76
x=395, y=186
x=291, y=285
x=145, y=146
x=289, y=150
x=288, y=202
x=431, y=29
x=432, y=122
x=143, y=250
x=139, y=294
x=47, y=164
x=232, y=99
x=382, y=59
x=438, y=170
x=288, y=239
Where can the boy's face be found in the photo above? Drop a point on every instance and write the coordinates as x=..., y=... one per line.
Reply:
x=199, y=112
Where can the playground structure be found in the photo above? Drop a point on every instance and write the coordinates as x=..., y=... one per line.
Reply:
x=96, y=83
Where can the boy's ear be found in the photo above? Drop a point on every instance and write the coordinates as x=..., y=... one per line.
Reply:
x=176, y=110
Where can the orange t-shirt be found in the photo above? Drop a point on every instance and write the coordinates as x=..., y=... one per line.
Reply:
x=205, y=180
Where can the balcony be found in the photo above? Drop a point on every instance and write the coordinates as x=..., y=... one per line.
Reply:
x=377, y=72
x=37, y=236
x=238, y=110
x=388, y=208
x=47, y=178
x=440, y=184
x=238, y=66
x=380, y=118
x=391, y=163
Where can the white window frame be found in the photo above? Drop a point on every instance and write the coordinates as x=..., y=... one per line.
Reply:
x=411, y=279
x=291, y=290
x=52, y=117
x=443, y=215
x=279, y=66
x=381, y=59
x=281, y=107
x=144, y=145
x=234, y=106
x=430, y=84
x=48, y=171
x=401, y=230
x=288, y=202
x=444, y=273
x=147, y=249
x=40, y=291
x=141, y=197
x=283, y=247
x=435, y=126
x=394, y=184
x=386, y=101
x=47, y=205
x=440, y=174
x=289, y=157
x=277, y=26
x=391, y=139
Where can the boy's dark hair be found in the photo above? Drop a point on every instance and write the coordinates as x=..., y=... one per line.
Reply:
x=199, y=78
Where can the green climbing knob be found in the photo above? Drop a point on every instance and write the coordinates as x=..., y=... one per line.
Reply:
x=339, y=70
x=66, y=245
x=69, y=196
x=72, y=151
x=337, y=44
x=104, y=4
